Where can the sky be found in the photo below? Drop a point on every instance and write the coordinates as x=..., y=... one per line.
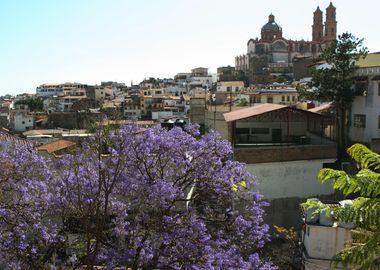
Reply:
x=89, y=41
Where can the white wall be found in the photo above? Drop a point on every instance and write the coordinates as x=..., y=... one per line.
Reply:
x=251, y=47
x=100, y=93
x=233, y=86
x=23, y=122
x=290, y=179
x=323, y=242
x=160, y=115
x=368, y=105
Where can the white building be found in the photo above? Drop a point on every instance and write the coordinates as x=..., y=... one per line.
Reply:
x=365, y=110
x=203, y=81
x=230, y=86
x=20, y=118
x=63, y=89
x=49, y=90
x=176, y=90
x=287, y=96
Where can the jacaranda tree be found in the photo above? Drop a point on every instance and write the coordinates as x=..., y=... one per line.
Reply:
x=142, y=199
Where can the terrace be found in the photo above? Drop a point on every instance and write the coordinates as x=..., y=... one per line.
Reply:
x=274, y=133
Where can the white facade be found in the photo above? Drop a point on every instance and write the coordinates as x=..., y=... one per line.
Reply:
x=290, y=179
x=365, y=110
x=22, y=121
x=177, y=90
x=153, y=92
x=132, y=113
x=100, y=93
x=279, y=96
x=64, y=89
x=204, y=81
x=231, y=86
x=321, y=243
x=162, y=115
x=49, y=90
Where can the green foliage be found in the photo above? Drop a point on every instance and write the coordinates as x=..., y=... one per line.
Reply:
x=34, y=104
x=335, y=83
x=243, y=102
x=305, y=93
x=364, y=250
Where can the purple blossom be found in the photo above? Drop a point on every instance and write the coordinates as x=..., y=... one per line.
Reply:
x=150, y=199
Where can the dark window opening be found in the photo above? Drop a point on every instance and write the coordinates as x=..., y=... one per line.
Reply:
x=359, y=120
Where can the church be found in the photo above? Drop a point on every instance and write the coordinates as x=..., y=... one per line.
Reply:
x=272, y=55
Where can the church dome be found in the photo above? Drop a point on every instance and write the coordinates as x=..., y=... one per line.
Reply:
x=271, y=25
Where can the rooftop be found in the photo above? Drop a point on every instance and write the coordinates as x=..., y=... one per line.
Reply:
x=372, y=60
x=322, y=108
x=55, y=146
x=252, y=111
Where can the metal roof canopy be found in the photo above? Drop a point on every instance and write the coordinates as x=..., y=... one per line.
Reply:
x=260, y=110
x=252, y=111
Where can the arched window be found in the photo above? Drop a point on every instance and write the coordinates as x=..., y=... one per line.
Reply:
x=279, y=46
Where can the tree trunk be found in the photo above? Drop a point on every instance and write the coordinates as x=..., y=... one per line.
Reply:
x=341, y=133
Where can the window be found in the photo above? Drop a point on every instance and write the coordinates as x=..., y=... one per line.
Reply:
x=359, y=120
x=283, y=98
x=293, y=98
x=270, y=99
x=260, y=130
x=361, y=87
x=287, y=98
x=236, y=89
x=255, y=99
x=228, y=88
x=242, y=131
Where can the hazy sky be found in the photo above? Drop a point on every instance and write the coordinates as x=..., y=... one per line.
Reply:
x=89, y=41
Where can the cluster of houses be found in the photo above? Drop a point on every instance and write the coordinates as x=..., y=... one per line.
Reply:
x=282, y=141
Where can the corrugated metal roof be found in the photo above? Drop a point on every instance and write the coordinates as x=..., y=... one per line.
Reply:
x=372, y=60
x=321, y=108
x=252, y=111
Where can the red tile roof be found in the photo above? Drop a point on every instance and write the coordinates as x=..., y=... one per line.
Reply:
x=55, y=146
x=5, y=136
x=252, y=111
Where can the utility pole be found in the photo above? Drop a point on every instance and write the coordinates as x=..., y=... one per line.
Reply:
x=231, y=99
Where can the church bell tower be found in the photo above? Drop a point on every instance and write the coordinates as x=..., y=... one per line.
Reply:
x=317, y=25
x=330, y=24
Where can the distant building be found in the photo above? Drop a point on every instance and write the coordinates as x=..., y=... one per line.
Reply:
x=273, y=55
x=199, y=72
x=229, y=74
x=20, y=118
x=287, y=96
x=365, y=109
x=230, y=86
x=64, y=89
x=198, y=77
